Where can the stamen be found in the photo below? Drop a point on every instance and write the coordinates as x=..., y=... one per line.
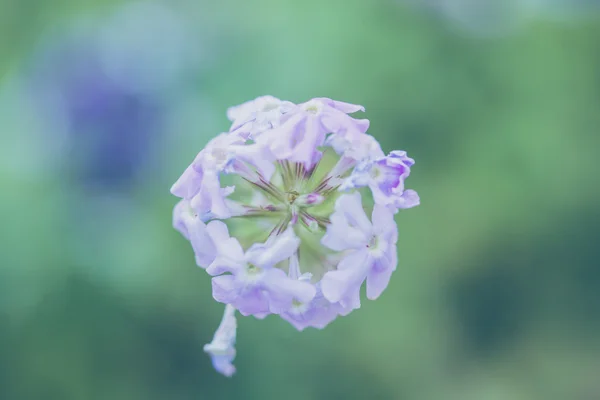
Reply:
x=252, y=211
x=334, y=178
x=309, y=222
x=267, y=187
x=280, y=227
x=286, y=174
x=322, y=185
x=323, y=221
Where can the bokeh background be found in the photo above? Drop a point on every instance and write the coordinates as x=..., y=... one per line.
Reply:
x=104, y=103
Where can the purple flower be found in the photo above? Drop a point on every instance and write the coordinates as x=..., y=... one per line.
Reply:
x=221, y=349
x=257, y=116
x=283, y=233
x=370, y=250
x=105, y=81
x=304, y=128
x=110, y=130
x=253, y=285
x=385, y=177
x=227, y=153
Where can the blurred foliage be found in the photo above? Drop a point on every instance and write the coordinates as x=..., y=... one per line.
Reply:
x=497, y=295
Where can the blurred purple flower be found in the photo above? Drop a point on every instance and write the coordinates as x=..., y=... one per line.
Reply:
x=109, y=81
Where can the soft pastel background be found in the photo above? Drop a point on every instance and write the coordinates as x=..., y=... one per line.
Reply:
x=104, y=103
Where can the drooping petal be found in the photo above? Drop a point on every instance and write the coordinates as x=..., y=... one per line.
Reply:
x=222, y=348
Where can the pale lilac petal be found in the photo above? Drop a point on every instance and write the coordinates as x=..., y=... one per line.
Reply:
x=260, y=157
x=181, y=209
x=223, y=364
x=408, y=199
x=351, y=206
x=282, y=291
x=383, y=219
x=188, y=184
x=317, y=313
x=203, y=246
x=257, y=116
x=253, y=302
x=350, y=228
x=377, y=281
x=222, y=348
x=351, y=302
x=224, y=244
x=222, y=264
x=341, y=236
x=347, y=107
x=312, y=138
x=362, y=124
x=224, y=289
x=186, y=221
x=348, y=278
x=279, y=249
x=281, y=140
x=211, y=198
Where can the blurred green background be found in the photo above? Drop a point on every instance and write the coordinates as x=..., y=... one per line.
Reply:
x=104, y=103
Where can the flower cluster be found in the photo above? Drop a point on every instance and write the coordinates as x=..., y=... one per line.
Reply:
x=290, y=212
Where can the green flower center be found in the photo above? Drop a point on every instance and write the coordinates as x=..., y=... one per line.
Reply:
x=294, y=196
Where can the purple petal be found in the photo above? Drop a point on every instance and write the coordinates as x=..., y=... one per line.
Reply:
x=224, y=289
x=383, y=219
x=222, y=348
x=282, y=290
x=351, y=272
x=224, y=244
x=271, y=253
x=377, y=281
x=188, y=185
x=408, y=199
x=347, y=107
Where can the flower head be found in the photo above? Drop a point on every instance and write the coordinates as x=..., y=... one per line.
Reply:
x=291, y=211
